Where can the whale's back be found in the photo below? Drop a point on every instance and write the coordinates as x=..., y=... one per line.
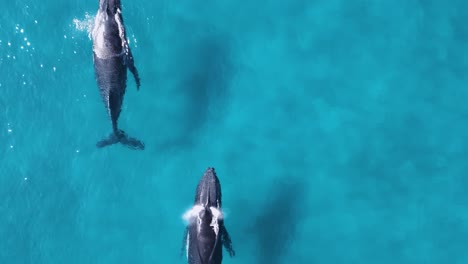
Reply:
x=107, y=41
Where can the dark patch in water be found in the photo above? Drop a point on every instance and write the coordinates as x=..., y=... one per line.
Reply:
x=275, y=227
x=205, y=70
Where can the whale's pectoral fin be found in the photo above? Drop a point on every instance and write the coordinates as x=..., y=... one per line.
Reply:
x=128, y=57
x=123, y=138
x=185, y=243
x=131, y=66
x=226, y=239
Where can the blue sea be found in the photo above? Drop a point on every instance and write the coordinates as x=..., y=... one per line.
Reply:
x=338, y=130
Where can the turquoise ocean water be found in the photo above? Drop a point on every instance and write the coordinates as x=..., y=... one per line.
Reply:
x=338, y=130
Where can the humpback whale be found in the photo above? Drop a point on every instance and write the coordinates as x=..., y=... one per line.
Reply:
x=206, y=234
x=112, y=57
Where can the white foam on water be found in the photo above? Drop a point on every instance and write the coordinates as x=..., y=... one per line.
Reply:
x=217, y=213
x=84, y=25
x=192, y=213
x=21, y=37
x=135, y=42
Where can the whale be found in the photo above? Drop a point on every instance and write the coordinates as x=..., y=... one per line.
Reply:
x=205, y=234
x=112, y=57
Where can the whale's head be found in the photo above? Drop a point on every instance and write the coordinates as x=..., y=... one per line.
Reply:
x=208, y=192
x=110, y=6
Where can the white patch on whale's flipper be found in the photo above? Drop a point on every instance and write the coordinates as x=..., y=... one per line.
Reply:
x=118, y=19
x=187, y=244
x=108, y=105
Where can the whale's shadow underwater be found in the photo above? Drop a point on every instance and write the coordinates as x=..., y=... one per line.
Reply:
x=112, y=58
x=275, y=226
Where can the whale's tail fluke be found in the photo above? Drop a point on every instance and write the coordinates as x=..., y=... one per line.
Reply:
x=121, y=137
